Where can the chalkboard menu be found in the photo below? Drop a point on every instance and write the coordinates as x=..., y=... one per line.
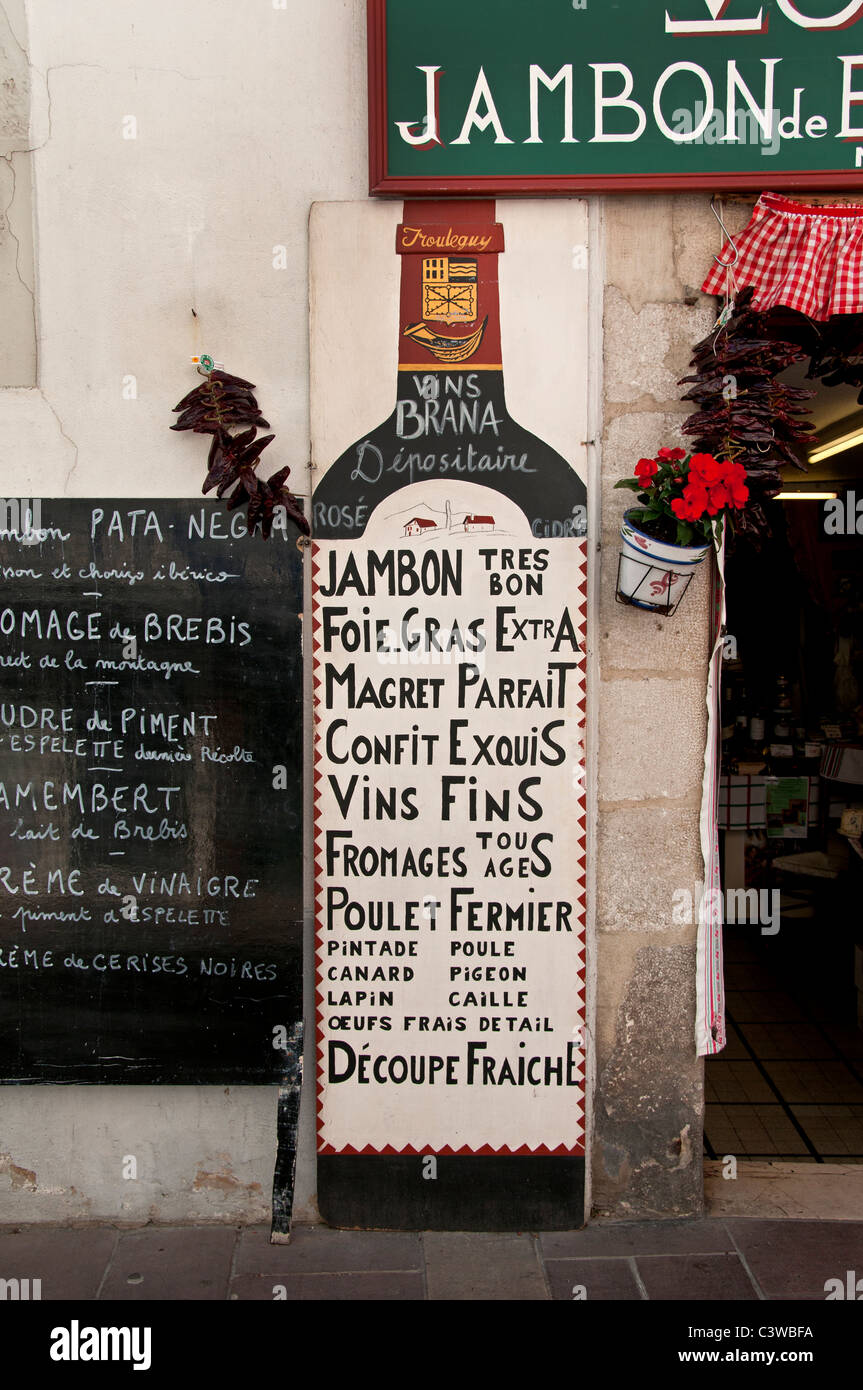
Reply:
x=150, y=794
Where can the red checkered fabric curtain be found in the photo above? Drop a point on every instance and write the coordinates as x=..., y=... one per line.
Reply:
x=803, y=257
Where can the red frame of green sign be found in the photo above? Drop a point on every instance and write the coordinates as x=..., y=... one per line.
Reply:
x=384, y=184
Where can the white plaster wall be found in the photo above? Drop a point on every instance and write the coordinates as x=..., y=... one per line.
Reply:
x=245, y=112
x=17, y=301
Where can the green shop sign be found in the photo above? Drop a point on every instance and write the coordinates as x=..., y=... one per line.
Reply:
x=568, y=96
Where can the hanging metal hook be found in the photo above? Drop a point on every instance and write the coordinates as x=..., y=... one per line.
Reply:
x=720, y=324
x=205, y=364
x=726, y=265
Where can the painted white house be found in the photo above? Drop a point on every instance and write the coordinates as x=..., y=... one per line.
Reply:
x=479, y=523
x=417, y=526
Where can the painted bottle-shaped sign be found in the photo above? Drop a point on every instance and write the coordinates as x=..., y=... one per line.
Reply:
x=449, y=666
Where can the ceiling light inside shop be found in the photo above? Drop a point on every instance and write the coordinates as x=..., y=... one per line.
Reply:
x=805, y=496
x=836, y=446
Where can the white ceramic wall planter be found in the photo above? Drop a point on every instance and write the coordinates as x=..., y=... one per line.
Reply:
x=653, y=574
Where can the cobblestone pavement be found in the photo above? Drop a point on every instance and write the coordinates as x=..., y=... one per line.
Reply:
x=702, y=1261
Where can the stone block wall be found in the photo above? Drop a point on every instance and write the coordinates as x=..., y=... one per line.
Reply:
x=648, y=1105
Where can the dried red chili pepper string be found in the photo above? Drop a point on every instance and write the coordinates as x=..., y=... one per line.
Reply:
x=222, y=403
x=744, y=413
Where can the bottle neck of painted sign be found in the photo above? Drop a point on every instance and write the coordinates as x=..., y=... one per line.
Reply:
x=449, y=313
x=450, y=373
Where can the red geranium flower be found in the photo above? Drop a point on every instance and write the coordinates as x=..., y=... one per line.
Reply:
x=718, y=498
x=706, y=467
x=646, y=469
x=669, y=455
x=735, y=482
x=696, y=493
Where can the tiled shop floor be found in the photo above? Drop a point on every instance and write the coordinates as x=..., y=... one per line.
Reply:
x=699, y=1260
x=789, y=1084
